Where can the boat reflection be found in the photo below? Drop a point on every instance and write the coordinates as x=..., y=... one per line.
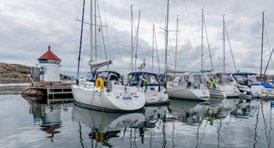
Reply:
x=105, y=126
x=155, y=126
x=189, y=112
x=193, y=112
x=48, y=117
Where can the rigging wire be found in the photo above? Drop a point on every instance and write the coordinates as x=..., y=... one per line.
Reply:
x=208, y=46
x=102, y=32
x=106, y=30
x=270, y=52
x=157, y=52
x=230, y=48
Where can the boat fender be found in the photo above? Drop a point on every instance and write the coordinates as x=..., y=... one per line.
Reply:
x=99, y=136
x=100, y=83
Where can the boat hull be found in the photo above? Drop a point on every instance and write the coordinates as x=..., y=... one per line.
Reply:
x=109, y=102
x=156, y=98
x=189, y=94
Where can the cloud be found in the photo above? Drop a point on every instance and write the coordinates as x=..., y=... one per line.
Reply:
x=28, y=27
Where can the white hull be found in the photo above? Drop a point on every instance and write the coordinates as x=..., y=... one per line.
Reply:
x=255, y=90
x=153, y=97
x=156, y=98
x=231, y=91
x=188, y=94
x=114, y=101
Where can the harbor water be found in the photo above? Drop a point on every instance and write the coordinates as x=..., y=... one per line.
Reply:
x=215, y=123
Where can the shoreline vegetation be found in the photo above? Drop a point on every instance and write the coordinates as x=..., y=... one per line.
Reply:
x=14, y=73
x=17, y=73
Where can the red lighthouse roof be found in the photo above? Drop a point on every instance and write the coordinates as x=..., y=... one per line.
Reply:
x=49, y=55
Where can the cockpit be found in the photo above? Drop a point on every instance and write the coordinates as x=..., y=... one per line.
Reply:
x=137, y=78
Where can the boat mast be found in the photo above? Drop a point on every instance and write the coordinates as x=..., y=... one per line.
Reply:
x=137, y=40
x=153, y=39
x=166, y=35
x=95, y=30
x=202, y=41
x=131, y=35
x=80, y=46
x=91, y=31
x=176, y=46
x=262, y=46
x=223, y=43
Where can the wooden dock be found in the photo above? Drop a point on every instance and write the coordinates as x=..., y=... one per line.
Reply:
x=54, y=92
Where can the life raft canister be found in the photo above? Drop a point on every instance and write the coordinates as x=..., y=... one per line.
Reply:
x=100, y=83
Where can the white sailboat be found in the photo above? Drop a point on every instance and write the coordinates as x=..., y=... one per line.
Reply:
x=149, y=84
x=213, y=84
x=113, y=97
x=105, y=90
x=228, y=85
x=214, y=89
x=188, y=85
x=249, y=85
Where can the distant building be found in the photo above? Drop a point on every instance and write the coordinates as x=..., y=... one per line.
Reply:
x=49, y=64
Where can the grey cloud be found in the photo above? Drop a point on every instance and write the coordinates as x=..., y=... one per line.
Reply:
x=29, y=26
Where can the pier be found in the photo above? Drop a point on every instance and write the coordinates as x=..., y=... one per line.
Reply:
x=46, y=83
x=49, y=92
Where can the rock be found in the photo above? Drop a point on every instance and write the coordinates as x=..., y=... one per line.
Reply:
x=17, y=73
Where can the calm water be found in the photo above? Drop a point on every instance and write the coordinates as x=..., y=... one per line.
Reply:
x=217, y=123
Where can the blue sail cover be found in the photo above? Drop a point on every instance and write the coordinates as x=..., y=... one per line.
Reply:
x=109, y=75
x=267, y=85
x=243, y=73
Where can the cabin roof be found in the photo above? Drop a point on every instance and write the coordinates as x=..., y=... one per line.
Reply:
x=141, y=73
x=49, y=55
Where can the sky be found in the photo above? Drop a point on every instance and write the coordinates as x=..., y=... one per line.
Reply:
x=29, y=26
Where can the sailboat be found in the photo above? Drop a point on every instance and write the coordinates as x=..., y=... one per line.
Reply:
x=267, y=86
x=105, y=90
x=228, y=85
x=149, y=84
x=222, y=85
x=214, y=89
x=213, y=84
x=248, y=84
x=188, y=85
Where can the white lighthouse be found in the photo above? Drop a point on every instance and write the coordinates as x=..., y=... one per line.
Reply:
x=49, y=65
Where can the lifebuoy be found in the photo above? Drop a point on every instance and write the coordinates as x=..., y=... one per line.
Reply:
x=100, y=83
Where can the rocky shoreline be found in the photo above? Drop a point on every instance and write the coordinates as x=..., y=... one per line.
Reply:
x=14, y=73
x=17, y=73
